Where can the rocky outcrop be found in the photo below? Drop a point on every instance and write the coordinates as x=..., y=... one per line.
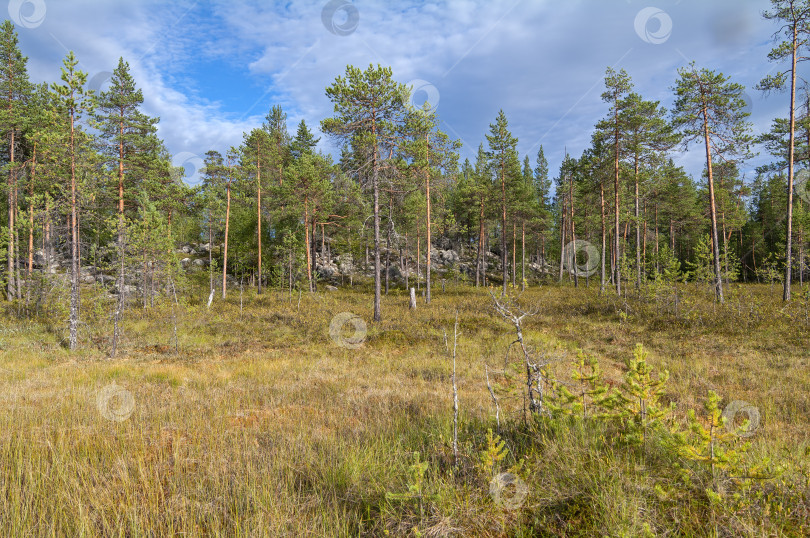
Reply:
x=448, y=261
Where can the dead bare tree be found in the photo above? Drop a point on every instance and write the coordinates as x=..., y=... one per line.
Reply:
x=509, y=309
x=455, y=387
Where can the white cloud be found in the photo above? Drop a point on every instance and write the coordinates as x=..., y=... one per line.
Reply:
x=542, y=62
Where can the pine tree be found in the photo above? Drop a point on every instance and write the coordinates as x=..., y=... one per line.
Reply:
x=304, y=142
x=308, y=183
x=542, y=187
x=711, y=109
x=368, y=105
x=589, y=394
x=15, y=91
x=125, y=131
x=483, y=193
x=794, y=17
x=213, y=192
x=429, y=150
x=566, y=200
x=503, y=157
x=597, y=164
x=527, y=211
x=127, y=137
x=617, y=86
x=38, y=140
x=636, y=404
x=276, y=126
x=257, y=163
x=73, y=102
x=231, y=158
x=648, y=135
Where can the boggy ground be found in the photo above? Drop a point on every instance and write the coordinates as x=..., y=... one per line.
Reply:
x=258, y=423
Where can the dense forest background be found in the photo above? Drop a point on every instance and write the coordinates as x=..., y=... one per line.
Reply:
x=91, y=200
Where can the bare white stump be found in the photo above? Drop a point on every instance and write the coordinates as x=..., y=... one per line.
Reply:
x=413, y=298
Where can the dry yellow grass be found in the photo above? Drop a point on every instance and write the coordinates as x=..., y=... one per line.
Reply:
x=262, y=425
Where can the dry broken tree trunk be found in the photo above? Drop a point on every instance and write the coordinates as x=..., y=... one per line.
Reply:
x=509, y=310
x=455, y=387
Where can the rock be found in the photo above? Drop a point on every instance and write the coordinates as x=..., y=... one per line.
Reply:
x=88, y=279
x=105, y=279
x=128, y=289
x=326, y=271
x=393, y=272
x=345, y=264
x=331, y=288
x=443, y=243
x=199, y=262
x=185, y=262
x=205, y=248
x=186, y=249
x=39, y=258
x=444, y=257
x=449, y=256
x=546, y=268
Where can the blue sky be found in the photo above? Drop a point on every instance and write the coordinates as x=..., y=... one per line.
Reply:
x=211, y=70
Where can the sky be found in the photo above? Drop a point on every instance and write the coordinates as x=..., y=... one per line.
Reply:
x=211, y=70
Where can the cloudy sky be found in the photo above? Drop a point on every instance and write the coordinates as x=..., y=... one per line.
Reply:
x=212, y=69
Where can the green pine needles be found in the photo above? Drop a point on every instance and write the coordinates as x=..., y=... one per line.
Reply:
x=635, y=415
x=636, y=404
